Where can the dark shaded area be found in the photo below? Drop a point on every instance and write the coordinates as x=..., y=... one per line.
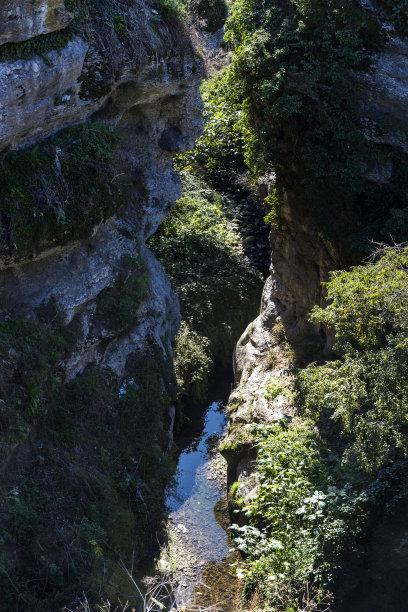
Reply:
x=379, y=583
x=194, y=414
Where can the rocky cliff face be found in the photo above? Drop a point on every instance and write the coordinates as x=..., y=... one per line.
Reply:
x=302, y=257
x=156, y=108
x=25, y=19
x=77, y=272
x=77, y=205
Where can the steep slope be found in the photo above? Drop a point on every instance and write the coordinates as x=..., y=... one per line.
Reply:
x=88, y=316
x=322, y=89
x=306, y=244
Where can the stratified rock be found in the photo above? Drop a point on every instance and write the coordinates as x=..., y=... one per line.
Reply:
x=24, y=19
x=32, y=100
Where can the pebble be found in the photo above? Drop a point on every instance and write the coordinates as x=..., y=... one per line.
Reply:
x=249, y=240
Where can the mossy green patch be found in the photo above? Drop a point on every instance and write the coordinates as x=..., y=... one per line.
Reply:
x=58, y=190
x=218, y=289
x=39, y=46
x=117, y=305
x=85, y=491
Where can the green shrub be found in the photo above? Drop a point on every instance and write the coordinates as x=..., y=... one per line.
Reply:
x=31, y=353
x=220, y=148
x=217, y=288
x=277, y=387
x=290, y=101
x=172, y=10
x=117, y=306
x=47, y=197
x=398, y=11
x=80, y=501
x=282, y=541
x=213, y=12
x=192, y=364
x=326, y=484
x=307, y=521
x=365, y=389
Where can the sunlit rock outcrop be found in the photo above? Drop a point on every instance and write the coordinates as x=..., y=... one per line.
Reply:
x=23, y=19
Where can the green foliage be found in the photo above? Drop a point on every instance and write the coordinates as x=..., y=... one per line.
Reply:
x=30, y=354
x=193, y=363
x=87, y=143
x=283, y=538
x=277, y=387
x=58, y=190
x=220, y=148
x=291, y=95
x=73, y=500
x=39, y=46
x=213, y=12
x=117, y=305
x=307, y=520
x=172, y=10
x=325, y=484
x=365, y=390
x=119, y=25
x=217, y=288
x=80, y=500
x=273, y=47
x=272, y=201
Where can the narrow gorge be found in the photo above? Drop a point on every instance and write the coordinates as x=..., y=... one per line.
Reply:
x=173, y=437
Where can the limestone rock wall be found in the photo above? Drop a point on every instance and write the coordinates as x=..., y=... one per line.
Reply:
x=38, y=98
x=76, y=273
x=150, y=94
x=92, y=437
x=301, y=258
x=24, y=19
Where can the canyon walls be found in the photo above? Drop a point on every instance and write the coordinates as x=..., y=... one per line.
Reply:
x=95, y=100
x=310, y=238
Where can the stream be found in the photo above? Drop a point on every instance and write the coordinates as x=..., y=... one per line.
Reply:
x=195, y=537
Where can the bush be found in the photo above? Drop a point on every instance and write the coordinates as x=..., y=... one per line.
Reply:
x=220, y=149
x=283, y=538
x=58, y=190
x=218, y=290
x=290, y=92
x=364, y=390
x=192, y=363
x=398, y=12
x=327, y=483
x=172, y=10
x=213, y=12
x=77, y=501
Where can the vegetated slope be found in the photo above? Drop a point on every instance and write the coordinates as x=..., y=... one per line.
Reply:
x=217, y=287
x=310, y=80
x=87, y=315
x=340, y=469
x=308, y=97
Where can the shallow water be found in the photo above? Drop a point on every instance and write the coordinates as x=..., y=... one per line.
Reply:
x=189, y=477
x=195, y=538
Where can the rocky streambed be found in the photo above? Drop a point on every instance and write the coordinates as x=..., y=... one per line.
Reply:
x=196, y=558
x=194, y=535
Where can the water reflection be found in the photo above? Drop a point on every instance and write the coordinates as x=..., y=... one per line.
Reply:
x=194, y=535
x=188, y=476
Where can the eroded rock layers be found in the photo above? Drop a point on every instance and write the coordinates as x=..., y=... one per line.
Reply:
x=95, y=99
